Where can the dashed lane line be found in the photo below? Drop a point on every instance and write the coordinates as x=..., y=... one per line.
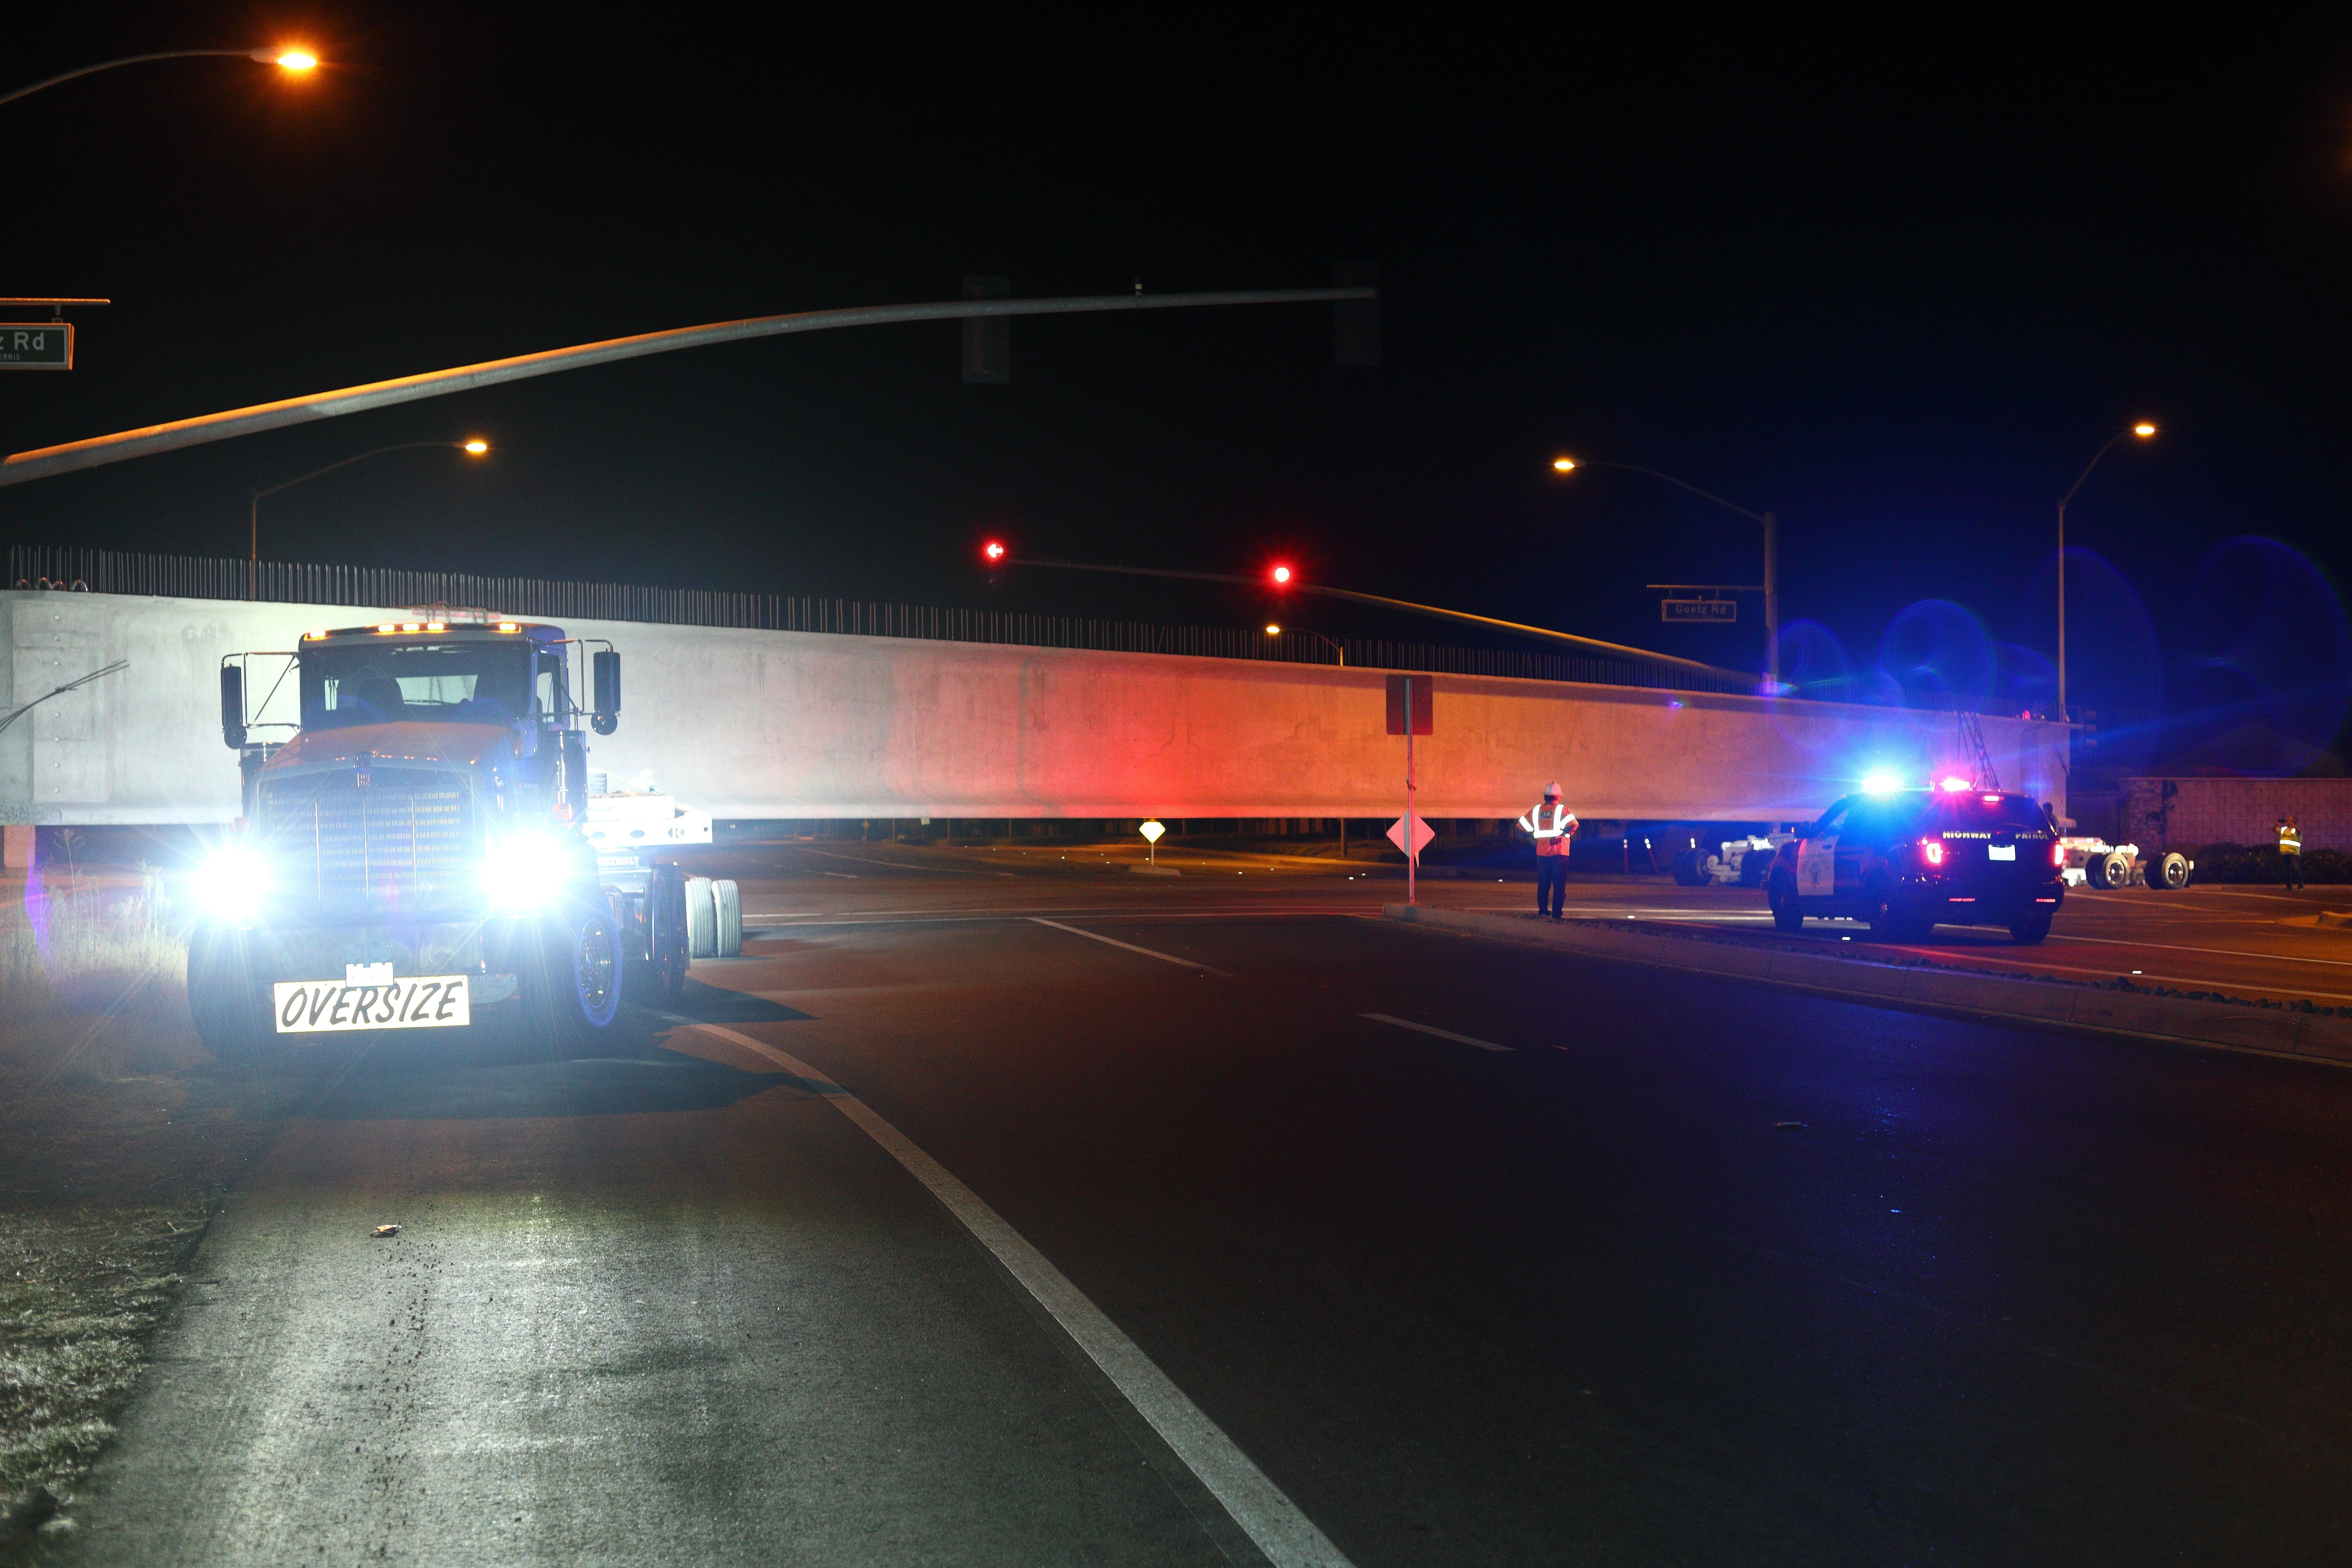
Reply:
x=1114, y=941
x=1288, y=1536
x=1440, y=1034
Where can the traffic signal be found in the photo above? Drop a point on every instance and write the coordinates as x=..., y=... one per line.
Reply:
x=1282, y=576
x=992, y=552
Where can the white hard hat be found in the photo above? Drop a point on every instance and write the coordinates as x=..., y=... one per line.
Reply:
x=1552, y=788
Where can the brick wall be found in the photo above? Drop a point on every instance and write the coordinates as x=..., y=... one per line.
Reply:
x=2180, y=813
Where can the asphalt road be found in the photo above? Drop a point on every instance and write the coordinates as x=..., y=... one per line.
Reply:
x=1685, y=1272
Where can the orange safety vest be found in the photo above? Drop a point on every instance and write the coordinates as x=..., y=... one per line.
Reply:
x=1553, y=839
x=2290, y=839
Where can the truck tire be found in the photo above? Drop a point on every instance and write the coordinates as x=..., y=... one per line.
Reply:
x=701, y=919
x=1788, y=915
x=571, y=980
x=1687, y=873
x=1755, y=867
x=2172, y=873
x=230, y=1011
x=726, y=904
x=667, y=959
x=2113, y=871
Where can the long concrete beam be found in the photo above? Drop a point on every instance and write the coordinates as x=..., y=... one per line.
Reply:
x=44, y=461
x=750, y=724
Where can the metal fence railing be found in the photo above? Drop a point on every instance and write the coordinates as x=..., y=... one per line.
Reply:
x=285, y=582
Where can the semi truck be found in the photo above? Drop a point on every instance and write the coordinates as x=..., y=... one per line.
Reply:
x=414, y=854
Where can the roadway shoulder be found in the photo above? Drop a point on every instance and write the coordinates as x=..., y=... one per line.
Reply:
x=2220, y=1023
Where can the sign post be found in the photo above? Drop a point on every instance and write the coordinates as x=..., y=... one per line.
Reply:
x=1409, y=714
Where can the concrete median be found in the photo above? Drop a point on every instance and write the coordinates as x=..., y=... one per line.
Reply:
x=2222, y=1024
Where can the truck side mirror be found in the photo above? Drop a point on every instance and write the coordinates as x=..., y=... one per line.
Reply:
x=231, y=707
x=606, y=678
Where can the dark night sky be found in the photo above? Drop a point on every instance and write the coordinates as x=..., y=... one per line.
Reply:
x=1894, y=284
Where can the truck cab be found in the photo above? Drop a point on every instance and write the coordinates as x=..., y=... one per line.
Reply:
x=412, y=856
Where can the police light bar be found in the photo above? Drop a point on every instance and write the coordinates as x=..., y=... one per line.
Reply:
x=1955, y=785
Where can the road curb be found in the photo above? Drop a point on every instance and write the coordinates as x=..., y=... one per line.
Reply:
x=2048, y=1004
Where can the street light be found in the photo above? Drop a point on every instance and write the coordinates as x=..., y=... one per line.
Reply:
x=293, y=61
x=2143, y=431
x=1772, y=584
x=1274, y=629
x=473, y=445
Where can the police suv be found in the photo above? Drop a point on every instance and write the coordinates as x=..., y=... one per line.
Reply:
x=1906, y=860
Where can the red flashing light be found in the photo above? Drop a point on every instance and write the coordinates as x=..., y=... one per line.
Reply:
x=1954, y=785
x=1282, y=574
x=2057, y=854
x=1992, y=800
x=1934, y=851
x=993, y=550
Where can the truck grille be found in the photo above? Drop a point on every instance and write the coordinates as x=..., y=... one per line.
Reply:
x=398, y=841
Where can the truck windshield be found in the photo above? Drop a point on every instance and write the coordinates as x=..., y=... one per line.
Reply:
x=378, y=683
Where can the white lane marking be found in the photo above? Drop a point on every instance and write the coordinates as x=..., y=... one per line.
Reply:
x=1114, y=941
x=1286, y=1536
x=848, y=876
x=2219, y=952
x=1440, y=1034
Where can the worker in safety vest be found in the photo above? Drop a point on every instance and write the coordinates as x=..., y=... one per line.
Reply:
x=1551, y=826
x=2290, y=838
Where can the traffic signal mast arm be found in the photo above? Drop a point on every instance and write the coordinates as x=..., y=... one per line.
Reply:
x=43, y=461
x=1615, y=650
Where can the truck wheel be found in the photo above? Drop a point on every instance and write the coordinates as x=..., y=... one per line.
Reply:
x=2172, y=873
x=230, y=1015
x=573, y=983
x=1788, y=915
x=666, y=935
x=1687, y=870
x=2113, y=871
x=1754, y=866
x=2027, y=931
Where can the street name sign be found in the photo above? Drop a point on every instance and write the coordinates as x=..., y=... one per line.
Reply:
x=35, y=345
x=1711, y=612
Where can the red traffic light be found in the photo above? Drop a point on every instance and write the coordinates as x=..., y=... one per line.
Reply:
x=993, y=550
x=1281, y=575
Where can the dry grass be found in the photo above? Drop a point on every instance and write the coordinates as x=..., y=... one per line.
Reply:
x=115, y=1148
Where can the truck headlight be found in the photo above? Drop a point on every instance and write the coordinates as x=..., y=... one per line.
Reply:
x=525, y=872
x=232, y=881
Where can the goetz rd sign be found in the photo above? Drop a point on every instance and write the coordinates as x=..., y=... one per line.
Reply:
x=1716, y=611
x=37, y=345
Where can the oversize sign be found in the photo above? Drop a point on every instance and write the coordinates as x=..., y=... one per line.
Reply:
x=424, y=1002
x=1424, y=708
x=1715, y=612
x=35, y=345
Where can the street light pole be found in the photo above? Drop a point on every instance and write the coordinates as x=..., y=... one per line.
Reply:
x=1274, y=629
x=1771, y=584
x=2143, y=431
x=474, y=447
x=294, y=60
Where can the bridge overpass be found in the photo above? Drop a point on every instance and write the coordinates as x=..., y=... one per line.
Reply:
x=781, y=724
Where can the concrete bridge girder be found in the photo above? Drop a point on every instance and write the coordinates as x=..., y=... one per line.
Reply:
x=757, y=724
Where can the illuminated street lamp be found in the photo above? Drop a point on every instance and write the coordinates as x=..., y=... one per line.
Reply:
x=1770, y=586
x=1274, y=629
x=292, y=61
x=473, y=447
x=2142, y=431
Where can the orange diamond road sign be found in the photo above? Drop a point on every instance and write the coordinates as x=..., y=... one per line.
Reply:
x=1422, y=834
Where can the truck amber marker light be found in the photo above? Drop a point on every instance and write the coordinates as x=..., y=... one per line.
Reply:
x=387, y=626
x=508, y=626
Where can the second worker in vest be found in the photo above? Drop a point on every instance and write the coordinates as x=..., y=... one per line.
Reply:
x=2290, y=842
x=1551, y=826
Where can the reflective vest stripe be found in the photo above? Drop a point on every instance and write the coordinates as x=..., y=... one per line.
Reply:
x=1563, y=820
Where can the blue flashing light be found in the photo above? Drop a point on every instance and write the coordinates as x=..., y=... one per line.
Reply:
x=1881, y=782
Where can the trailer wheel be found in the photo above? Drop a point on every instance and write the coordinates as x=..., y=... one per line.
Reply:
x=1686, y=870
x=2172, y=873
x=2115, y=871
x=667, y=959
x=1754, y=866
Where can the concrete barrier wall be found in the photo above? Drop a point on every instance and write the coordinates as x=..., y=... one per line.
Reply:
x=2182, y=814
x=793, y=724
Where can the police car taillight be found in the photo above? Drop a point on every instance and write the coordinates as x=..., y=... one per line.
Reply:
x=1933, y=850
x=2057, y=854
